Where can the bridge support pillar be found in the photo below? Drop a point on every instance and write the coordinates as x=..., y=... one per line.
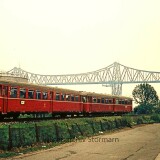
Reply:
x=117, y=89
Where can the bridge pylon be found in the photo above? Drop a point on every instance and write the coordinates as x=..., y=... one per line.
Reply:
x=116, y=78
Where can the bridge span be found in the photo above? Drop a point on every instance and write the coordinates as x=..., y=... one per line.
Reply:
x=113, y=75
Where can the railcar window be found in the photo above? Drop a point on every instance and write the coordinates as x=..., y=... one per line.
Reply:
x=123, y=102
x=84, y=99
x=38, y=94
x=30, y=94
x=57, y=96
x=62, y=97
x=98, y=100
x=22, y=93
x=116, y=101
x=102, y=100
x=45, y=95
x=106, y=101
x=76, y=98
x=130, y=102
x=68, y=97
x=94, y=100
x=13, y=93
x=72, y=97
x=119, y=102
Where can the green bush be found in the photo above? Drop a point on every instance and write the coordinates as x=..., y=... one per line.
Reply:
x=140, y=120
x=155, y=117
x=21, y=135
x=127, y=121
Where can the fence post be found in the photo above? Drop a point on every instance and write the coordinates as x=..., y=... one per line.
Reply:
x=57, y=132
x=101, y=124
x=79, y=129
x=20, y=139
x=9, y=138
x=37, y=133
x=69, y=131
x=92, y=125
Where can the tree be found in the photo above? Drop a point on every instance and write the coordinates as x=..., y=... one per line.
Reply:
x=157, y=108
x=146, y=96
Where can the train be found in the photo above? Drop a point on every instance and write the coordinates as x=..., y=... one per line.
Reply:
x=25, y=98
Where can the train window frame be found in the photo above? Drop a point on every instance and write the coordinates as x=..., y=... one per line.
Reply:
x=77, y=98
x=106, y=101
x=94, y=100
x=123, y=101
x=38, y=94
x=111, y=101
x=130, y=102
x=13, y=92
x=83, y=99
x=98, y=100
x=62, y=97
x=23, y=91
x=117, y=101
x=72, y=98
x=31, y=96
x=44, y=95
x=102, y=100
x=57, y=98
x=68, y=97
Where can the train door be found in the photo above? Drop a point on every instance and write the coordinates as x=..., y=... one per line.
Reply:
x=5, y=99
x=51, y=101
x=86, y=105
x=1, y=99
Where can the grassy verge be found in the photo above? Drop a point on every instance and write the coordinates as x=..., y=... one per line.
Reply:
x=21, y=138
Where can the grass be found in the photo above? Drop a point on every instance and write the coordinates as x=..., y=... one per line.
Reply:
x=29, y=137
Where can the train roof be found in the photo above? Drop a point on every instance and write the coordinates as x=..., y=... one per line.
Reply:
x=103, y=95
x=39, y=87
x=57, y=89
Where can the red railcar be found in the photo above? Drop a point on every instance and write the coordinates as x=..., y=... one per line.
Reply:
x=17, y=98
x=67, y=101
x=101, y=103
x=122, y=104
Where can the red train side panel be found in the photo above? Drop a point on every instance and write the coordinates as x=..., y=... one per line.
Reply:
x=98, y=108
x=27, y=105
x=67, y=106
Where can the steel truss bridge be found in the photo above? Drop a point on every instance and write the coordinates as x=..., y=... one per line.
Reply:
x=114, y=76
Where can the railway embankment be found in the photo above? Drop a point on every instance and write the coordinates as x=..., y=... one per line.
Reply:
x=20, y=138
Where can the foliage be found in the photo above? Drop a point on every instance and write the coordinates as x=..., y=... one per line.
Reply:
x=155, y=117
x=51, y=133
x=142, y=109
x=146, y=96
x=157, y=108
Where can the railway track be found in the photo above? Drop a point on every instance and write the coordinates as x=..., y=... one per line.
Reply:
x=33, y=120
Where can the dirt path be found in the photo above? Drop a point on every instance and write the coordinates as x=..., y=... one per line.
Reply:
x=140, y=143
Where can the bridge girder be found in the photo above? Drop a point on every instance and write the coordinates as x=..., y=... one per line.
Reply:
x=114, y=75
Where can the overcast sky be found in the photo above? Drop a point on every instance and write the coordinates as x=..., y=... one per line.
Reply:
x=75, y=36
